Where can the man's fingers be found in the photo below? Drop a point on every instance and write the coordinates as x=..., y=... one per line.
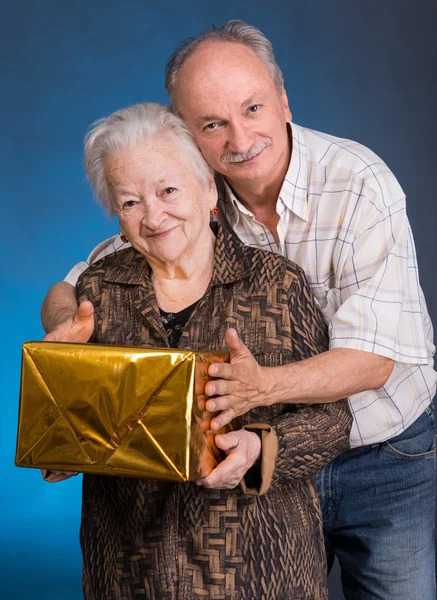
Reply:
x=201, y=402
x=83, y=322
x=220, y=370
x=235, y=345
x=85, y=311
x=220, y=387
x=205, y=421
x=220, y=403
x=224, y=418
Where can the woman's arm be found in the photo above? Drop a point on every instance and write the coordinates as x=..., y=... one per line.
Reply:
x=295, y=445
x=298, y=445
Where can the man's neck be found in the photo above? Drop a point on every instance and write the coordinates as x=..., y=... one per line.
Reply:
x=260, y=197
x=261, y=201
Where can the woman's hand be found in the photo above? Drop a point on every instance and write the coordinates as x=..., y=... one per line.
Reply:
x=56, y=476
x=78, y=328
x=243, y=448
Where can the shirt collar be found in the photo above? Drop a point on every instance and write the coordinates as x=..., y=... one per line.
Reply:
x=294, y=190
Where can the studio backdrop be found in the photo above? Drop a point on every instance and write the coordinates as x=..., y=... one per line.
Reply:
x=363, y=70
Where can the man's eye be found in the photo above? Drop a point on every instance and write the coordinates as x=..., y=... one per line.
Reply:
x=254, y=108
x=210, y=126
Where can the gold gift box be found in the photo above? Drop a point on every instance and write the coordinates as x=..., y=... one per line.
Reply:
x=115, y=410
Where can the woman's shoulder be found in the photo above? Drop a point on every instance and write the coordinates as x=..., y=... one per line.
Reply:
x=263, y=265
x=121, y=265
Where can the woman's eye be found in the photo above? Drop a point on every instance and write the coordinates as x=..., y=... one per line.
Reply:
x=254, y=108
x=129, y=204
x=169, y=190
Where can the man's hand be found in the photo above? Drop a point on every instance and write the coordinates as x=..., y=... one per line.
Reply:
x=241, y=385
x=243, y=448
x=77, y=328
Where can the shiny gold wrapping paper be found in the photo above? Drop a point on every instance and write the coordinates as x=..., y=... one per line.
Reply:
x=114, y=410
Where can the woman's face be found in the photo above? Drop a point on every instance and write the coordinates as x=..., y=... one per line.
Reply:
x=162, y=207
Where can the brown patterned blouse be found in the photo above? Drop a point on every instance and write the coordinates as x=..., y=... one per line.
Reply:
x=179, y=541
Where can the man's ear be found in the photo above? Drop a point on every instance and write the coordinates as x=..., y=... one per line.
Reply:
x=287, y=110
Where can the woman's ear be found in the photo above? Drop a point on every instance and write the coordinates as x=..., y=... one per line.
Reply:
x=212, y=194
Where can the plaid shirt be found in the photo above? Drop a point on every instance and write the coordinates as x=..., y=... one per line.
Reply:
x=343, y=220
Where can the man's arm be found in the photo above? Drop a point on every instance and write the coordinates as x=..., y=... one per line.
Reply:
x=58, y=306
x=378, y=323
x=244, y=384
x=73, y=324
x=60, y=303
x=332, y=375
x=65, y=322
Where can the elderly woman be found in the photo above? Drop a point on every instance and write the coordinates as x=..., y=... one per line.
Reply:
x=187, y=284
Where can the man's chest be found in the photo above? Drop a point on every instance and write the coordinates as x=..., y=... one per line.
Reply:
x=315, y=245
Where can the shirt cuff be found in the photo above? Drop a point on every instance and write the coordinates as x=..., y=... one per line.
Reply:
x=269, y=450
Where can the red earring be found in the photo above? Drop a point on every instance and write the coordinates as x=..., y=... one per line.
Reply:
x=123, y=238
x=214, y=211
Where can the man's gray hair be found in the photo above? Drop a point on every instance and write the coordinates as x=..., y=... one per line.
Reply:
x=237, y=32
x=127, y=128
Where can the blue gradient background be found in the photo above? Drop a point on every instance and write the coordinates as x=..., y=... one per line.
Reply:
x=358, y=69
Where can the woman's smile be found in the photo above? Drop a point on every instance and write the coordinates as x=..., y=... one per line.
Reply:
x=160, y=235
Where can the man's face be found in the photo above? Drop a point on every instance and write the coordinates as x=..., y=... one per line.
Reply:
x=227, y=98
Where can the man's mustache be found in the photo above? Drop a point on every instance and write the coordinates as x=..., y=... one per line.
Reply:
x=234, y=157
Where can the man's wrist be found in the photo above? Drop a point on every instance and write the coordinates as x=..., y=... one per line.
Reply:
x=277, y=385
x=268, y=384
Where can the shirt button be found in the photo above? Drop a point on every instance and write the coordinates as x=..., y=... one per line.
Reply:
x=262, y=237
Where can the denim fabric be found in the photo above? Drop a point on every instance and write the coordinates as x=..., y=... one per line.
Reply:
x=378, y=505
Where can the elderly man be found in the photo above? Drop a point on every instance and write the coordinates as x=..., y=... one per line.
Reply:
x=332, y=206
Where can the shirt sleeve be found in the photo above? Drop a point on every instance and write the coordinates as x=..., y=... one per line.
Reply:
x=381, y=305
x=109, y=246
x=304, y=438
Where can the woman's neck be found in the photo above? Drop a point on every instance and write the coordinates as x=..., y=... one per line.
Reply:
x=178, y=285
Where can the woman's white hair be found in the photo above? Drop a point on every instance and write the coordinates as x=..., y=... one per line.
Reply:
x=237, y=32
x=128, y=127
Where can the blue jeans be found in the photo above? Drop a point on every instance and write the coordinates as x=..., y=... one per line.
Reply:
x=378, y=506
